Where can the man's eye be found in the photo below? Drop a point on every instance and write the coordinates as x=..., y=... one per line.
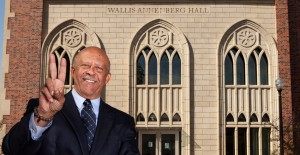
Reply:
x=99, y=69
x=85, y=66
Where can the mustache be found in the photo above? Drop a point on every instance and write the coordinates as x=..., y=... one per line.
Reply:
x=87, y=76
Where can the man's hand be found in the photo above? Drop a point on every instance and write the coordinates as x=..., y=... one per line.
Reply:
x=52, y=93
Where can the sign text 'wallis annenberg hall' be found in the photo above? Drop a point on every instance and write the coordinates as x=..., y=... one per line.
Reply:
x=133, y=9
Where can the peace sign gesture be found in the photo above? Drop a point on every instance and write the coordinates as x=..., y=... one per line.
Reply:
x=52, y=93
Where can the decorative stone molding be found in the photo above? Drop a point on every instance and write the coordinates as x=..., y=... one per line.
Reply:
x=67, y=38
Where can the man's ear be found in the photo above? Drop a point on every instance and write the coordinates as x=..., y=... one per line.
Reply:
x=107, y=78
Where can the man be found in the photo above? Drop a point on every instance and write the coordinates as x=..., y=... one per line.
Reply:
x=78, y=123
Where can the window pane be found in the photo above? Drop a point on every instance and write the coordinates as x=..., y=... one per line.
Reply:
x=67, y=81
x=164, y=70
x=176, y=70
x=254, y=141
x=152, y=69
x=228, y=70
x=140, y=77
x=264, y=70
x=168, y=144
x=148, y=144
x=242, y=141
x=240, y=69
x=252, y=70
x=266, y=141
x=229, y=141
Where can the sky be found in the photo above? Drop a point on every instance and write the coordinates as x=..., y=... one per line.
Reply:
x=2, y=10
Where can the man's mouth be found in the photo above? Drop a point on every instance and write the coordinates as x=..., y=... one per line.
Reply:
x=91, y=81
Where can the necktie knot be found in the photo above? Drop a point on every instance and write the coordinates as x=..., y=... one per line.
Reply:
x=89, y=121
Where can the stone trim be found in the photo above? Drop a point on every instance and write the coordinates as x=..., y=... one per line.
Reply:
x=5, y=104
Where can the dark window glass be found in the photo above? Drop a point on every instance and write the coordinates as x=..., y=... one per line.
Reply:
x=252, y=71
x=148, y=144
x=266, y=141
x=265, y=118
x=140, y=69
x=229, y=141
x=176, y=70
x=152, y=118
x=56, y=62
x=228, y=70
x=240, y=69
x=147, y=50
x=253, y=118
x=242, y=118
x=170, y=50
x=60, y=50
x=242, y=141
x=140, y=118
x=264, y=70
x=229, y=118
x=152, y=69
x=234, y=50
x=67, y=81
x=257, y=50
x=176, y=118
x=254, y=141
x=164, y=118
x=168, y=144
x=164, y=70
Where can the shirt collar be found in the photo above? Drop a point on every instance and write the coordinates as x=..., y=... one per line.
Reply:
x=79, y=102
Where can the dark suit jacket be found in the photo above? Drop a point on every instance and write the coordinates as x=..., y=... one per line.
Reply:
x=115, y=133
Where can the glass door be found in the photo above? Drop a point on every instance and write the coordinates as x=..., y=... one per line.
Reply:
x=159, y=142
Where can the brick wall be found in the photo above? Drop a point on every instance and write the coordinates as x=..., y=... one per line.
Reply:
x=23, y=48
x=294, y=26
x=288, y=24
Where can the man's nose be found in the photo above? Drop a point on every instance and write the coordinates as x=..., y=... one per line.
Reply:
x=91, y=70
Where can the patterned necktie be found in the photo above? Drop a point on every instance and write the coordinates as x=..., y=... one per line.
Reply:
x=89, y=120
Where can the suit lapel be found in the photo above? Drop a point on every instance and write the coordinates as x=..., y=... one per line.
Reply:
x=104, y=125
x=72, y=115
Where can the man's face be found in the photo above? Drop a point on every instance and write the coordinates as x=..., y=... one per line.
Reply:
x=90, y=73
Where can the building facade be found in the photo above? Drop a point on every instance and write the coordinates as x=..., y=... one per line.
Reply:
x=197, y=76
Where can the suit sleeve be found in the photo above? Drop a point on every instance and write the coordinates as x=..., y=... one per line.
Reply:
x=129, y=143
x=18, y=140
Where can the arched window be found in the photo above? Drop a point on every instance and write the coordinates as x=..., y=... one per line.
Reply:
x=228, y=70
x=242, y=118
x=140, y=118
x=176, y=118
x=152, y=118
x=252, y=71
x=164, y=118
x=176, y=69
x=229, y=118
x=152, y=70
x=140, y=69
x=240, y=70
x=265, y=118
x=264, y=72
x=64, y=41
x=164, y=70
x=253, y=118
x=246, y=94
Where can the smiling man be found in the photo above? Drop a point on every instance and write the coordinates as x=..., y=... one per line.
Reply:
x=78, y=123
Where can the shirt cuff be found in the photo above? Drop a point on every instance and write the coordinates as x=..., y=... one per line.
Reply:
x=37, y=131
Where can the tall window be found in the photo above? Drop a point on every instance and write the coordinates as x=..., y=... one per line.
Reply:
x=149, y=69
x=246, y=71
x=159, y=89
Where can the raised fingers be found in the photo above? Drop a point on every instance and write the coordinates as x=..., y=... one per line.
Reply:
x=62, y=70
x=53, y=70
